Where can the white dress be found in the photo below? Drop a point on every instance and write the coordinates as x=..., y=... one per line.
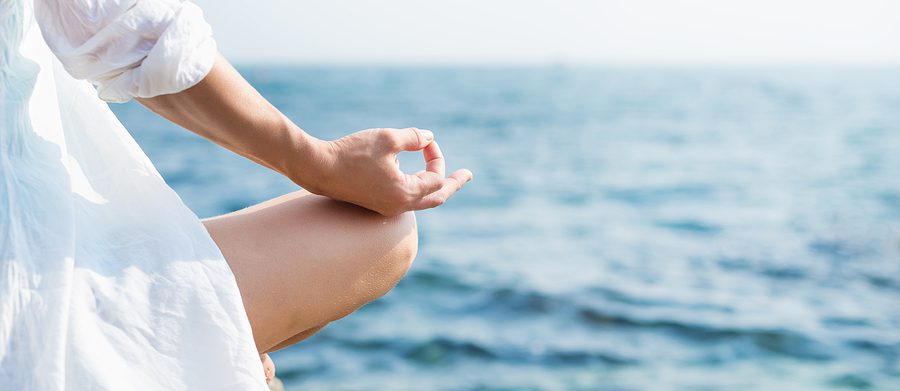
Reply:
x=107, y=280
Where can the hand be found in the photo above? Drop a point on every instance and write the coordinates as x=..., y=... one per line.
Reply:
x=362, y=169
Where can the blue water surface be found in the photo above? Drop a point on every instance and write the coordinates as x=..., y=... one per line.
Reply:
x=627, y=229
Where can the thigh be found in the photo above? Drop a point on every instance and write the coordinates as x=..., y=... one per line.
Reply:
x=302, y=260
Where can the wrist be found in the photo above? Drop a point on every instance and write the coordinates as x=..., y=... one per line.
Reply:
x=307, y=160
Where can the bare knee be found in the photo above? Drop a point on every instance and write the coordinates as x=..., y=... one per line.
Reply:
x=406, y=249
x=380, y=264
x=302, y=260
x=400, y=235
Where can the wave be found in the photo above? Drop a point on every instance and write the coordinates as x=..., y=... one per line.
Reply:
x=444, y=351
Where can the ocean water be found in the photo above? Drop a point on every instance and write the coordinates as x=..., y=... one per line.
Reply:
x=627, y=229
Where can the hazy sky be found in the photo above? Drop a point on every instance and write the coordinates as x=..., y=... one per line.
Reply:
x=558, y=31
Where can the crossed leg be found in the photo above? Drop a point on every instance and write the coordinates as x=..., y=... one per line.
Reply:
x=302, y=261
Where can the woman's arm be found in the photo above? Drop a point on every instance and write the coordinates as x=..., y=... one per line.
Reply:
x=153, y=50
x=360, y=168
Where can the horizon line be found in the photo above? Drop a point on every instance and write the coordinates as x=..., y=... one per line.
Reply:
x=244, y=62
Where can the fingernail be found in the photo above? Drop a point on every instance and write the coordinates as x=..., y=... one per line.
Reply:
x=427, y=134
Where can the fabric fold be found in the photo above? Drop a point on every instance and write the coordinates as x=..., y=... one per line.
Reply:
x=129, y=48
x=107, y=280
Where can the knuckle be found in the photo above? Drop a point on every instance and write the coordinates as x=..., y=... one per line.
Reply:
x=389, y=137
x=373, y=132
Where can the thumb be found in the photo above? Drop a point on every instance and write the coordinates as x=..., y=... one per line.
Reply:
x=413, y=139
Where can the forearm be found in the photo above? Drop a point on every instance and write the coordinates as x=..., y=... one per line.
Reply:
x=360, y=168
x=226, y=109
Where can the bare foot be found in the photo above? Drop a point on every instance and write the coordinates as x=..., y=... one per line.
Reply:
x=268, y=367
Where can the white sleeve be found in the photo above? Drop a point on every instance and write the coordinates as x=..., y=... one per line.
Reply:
x=129, y=48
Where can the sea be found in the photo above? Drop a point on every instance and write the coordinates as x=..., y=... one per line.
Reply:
x=644, y=228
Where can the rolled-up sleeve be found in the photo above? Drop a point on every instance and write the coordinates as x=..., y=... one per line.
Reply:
x=129, y=48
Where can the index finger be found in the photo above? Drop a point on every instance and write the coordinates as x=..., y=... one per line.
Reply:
x=434, y=159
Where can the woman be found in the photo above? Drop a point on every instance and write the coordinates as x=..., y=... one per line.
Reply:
x=107, y=281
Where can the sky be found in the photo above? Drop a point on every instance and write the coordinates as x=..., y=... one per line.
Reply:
x=653, y=32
